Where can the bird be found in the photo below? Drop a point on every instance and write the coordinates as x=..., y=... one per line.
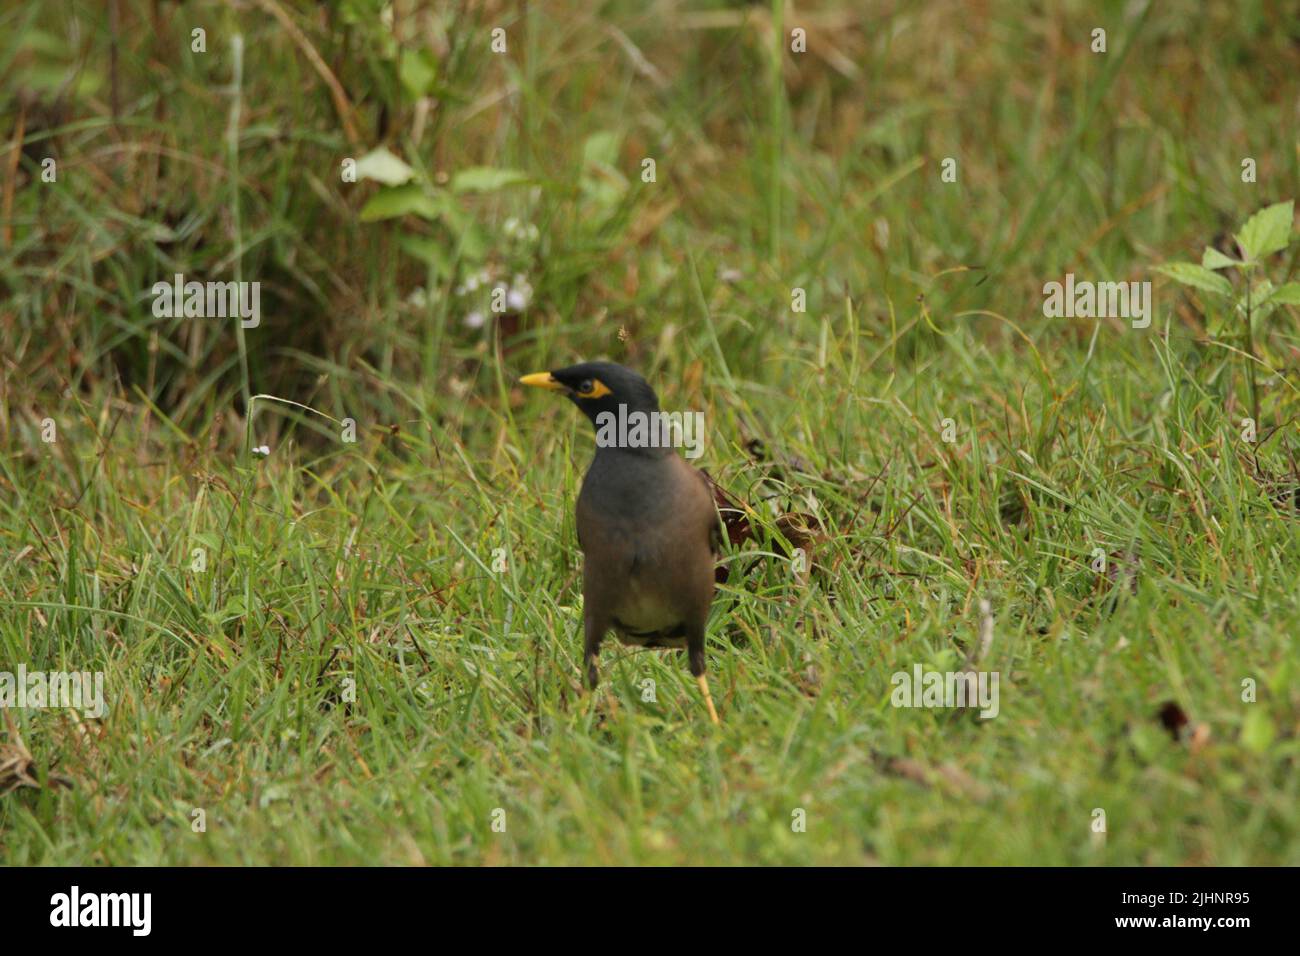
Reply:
x=648, y=527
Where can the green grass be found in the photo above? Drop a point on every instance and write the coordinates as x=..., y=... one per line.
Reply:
x=334, y=566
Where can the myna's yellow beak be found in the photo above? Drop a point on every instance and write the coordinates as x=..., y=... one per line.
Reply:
x=542, y=380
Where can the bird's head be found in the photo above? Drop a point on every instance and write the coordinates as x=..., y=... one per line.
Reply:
x=597, y=387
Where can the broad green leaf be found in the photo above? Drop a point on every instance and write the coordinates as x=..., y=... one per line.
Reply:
x=1149, y=742
x=475, y=243
x=411, y=199
x=1189, y=273
x=383, y=167
x=486, y=179
x=601, y=149
x=605, y=193
x=602, y=181
x=46, y=44
x=1282, y=678
x=1262, y=304
x=1268, y=231
x=1288, y=294
x=418, y=71
x=1257, y=730
x=1214, y=259
x=430, y=251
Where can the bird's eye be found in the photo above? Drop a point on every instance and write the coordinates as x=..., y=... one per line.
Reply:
x=585, y=387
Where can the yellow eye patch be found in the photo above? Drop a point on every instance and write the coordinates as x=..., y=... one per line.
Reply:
x=592, y=388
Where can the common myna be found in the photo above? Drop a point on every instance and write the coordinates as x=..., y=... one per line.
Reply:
x=647, y=526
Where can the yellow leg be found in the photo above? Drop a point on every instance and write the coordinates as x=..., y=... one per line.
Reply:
x=703, y=681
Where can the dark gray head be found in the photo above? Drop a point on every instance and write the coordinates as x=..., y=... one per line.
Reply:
x=597, y=387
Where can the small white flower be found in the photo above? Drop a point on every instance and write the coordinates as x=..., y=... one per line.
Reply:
x=474, y=320
x=263, y=450
x=517, y=300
